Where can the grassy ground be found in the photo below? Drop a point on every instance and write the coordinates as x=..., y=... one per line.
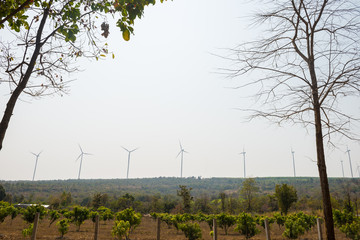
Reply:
x=11, y=230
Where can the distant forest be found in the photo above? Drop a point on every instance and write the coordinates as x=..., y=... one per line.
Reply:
x=160, y=194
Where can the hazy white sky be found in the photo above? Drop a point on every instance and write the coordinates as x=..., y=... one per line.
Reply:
x=161, y=88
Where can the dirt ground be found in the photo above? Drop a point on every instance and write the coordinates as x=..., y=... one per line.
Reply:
x=11, y=230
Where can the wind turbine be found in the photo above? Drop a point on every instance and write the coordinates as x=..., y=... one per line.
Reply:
x=348, y=152
x=129, y=153
x=182, y=151
x=81, y=158
x=37, y=157
x=293, y=157
x=243, y=153
x=342, y=167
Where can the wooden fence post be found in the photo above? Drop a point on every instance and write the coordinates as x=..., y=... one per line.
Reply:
x=35, y=226
x=158, y=221
x=267, y=229
x=214, y=229
x=318, y=221
x=96, y=227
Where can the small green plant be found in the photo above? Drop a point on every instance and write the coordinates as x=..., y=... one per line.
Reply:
x=121, y=229
x=63, y=227
x=192, y=231
x=246, y=225
x=53, y=215
x=28, y=231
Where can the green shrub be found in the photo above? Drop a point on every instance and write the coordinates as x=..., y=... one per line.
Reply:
x=28, y=231
x=192, y=231
x=121, y=228
x=78, y=215
x=246, y=225
x=279, y=219
x=63, y=226
x=225, y=221
x=352, y=230
x=130, y=216
x=54, y=215
x=296, y=224
x=28, y=214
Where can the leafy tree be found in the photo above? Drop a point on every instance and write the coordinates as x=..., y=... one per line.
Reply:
x=99, y=200
x=279, y=219
x=126, y=201
x=4, y=211
x=130, y=216
x=225, y=221
x=192, y=231
x=63, y=226
x=50, y=35
x=296, y=224
x=352, y=230
x=105, y=213
x=29, y=213
x=246, y=225
x=222, y=196
x=248, y=192
x=286, y=195
x=78, y=215
x=184, y=193
x=65, y=199
x=306, y=64
x=11, y=10
x=54, y=215
x=2, y=192
x=121, y=229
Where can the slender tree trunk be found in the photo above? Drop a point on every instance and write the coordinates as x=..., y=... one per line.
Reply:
x=329, y=222
x=23, y=82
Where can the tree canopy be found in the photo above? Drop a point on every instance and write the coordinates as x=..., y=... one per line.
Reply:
x=46, y=37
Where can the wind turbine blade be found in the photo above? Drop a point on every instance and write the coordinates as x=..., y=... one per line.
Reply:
x=185, y=151
x=180, y=145
x=88, y=154
x=178, y=154
x=78, y=157
x=80, y=149
x=33, y=153
x=125, y=149
x=134, y=149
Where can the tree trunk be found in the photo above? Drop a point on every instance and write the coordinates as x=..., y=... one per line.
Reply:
x=23, y=82
x=329, y=222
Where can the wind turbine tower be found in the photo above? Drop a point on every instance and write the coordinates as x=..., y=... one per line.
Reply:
x=348, y=152
x=293, y=157
x=81, y=159
x=342, y=167
x=37, y=157
x=243, y=153
x=129, y=153
x=182, y=151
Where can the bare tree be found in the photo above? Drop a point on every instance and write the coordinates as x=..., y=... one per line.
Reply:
x=305, y=65
x=45, y=38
